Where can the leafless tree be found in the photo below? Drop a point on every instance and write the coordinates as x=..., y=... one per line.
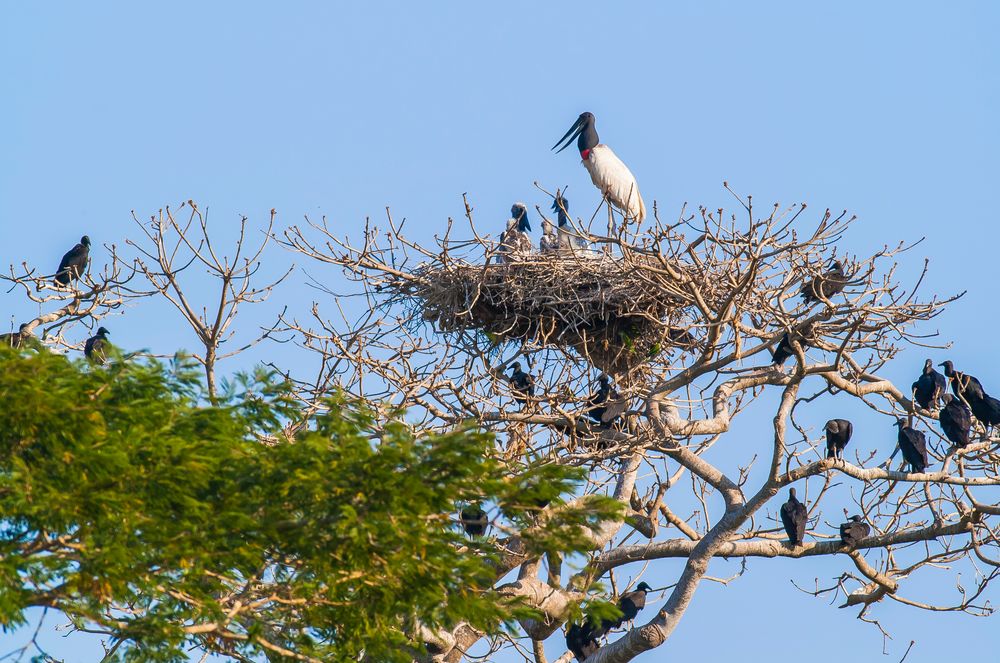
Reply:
x=683, y=316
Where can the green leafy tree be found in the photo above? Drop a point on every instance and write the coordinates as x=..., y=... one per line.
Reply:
x=144, y=513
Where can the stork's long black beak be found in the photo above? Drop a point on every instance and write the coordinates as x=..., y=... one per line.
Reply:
x=573, y=132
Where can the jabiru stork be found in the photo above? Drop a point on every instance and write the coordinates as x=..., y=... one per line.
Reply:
x=612, y=177
x=568, y=236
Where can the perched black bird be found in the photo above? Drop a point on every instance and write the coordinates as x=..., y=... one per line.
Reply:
x=913, y=444
x=929, y=387
x=474, y=520
x=794, y=517
x=963, y=385
x=18, y=338
x=984, y=407
x=519, y=212
x=956, y=420
x=74, y=263
x=630, y=603
x=581, y=639
x=826, y=285
x=522, y=384
x=599, y=400
x=96, y=347
x=784, y=348
x=838, y=434
x=853, y=531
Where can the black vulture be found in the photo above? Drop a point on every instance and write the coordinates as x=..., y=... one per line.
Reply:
x=581, y=639
x=522, y=384
x=838, y=434
x=929, y=387
x=598, y=401
x=963, y=385
x=784, y=348
x=96, y=347
x=630, y=603
x=18, y=338
x=984, y=407
x=853, y=531
x=474, y=520
x=825, y=285
x=956, y=420
x=913, y=444
x=794, y=517
x=74, y=263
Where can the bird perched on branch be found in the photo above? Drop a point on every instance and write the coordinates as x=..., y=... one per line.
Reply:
x=956, y=420
x=474, y=520
x=630, y=603
x=97, y=346
x=22, y=337
x=521, y=383
x=794, y=517
x=853, y=531
x=549, y=243
x=581, y=639
x=600, y=410
x=73, y=263
x=838, y=434
x=515, y=241
x=825, y=285
x=569, y=239
x=984, y=407
x=913, y=444
x=612, y=177
x=929, y=387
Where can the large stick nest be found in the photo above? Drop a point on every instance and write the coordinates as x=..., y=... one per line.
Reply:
x=612, y=310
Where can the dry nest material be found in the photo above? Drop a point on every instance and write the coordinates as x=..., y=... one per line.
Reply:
x=609, y=310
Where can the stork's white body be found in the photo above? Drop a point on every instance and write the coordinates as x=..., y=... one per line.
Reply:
x=615, y=181
x=570, y=240
x=513, y=243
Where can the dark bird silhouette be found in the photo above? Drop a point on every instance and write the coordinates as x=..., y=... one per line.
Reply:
x=913, y=444
x=783, y=351
x=474, y=520
x=984, y=407
x=630, y=603
x=956, y=420
x=22, y=336
x=599, y=401
x=74, y=263
x=794, y=517
x=522, y=384
x=838, y=434
x=96, y=347
x=825, y=285
x=581, y=639
x=853, y=531
x=963, y=385
x=929, y=387
x=519, y=212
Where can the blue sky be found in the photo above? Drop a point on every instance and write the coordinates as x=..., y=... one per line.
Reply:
x=887, y=109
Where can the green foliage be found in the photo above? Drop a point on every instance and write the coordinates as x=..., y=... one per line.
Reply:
x=134, y=506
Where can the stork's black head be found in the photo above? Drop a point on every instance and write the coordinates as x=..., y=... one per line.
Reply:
x=85, y=241
x=519, y=211
x=585, y=133
x=561, y=207
x=101, y=331
x=643, y=587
